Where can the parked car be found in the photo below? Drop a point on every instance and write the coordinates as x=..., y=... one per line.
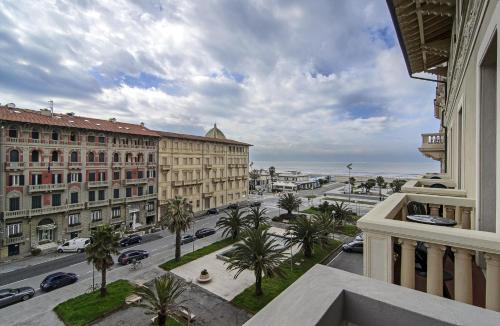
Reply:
x=359, y=237
x=187, y=238
x=9, y=296
x=128, y=256
x=204, y=232
x=130, y=240
x=233, y=206
x=74, y=245
x=354, y=246
x=212, y=211
x=255, y=204
x=57, y=280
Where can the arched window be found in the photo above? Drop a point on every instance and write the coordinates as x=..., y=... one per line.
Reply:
x=35, y=134
x=74, y=156
x=35, y=156
x=101, y=157
x=116, y=157
x=150, y=158
x=72, y=136
x=14, y=155
x=55, y=135
x=91, y=157
x=140, y=157
x=55, y=156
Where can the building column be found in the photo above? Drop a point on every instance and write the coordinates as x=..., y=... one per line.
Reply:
x=463, y=275
x=466, y=218
x=492, y=282
x=408, y=263
x=434, y=208
x=435, y=268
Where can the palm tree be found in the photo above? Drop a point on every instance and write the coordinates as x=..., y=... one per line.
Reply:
x=370, y=183
x=341, y=212
x=363, y=186
x=352, y=182
x=306, y=232
x=232, y=223
x=380, y=183
x=258, y=252
x=163, y=298
x=396, y=185
x=257, y=217
x=289, y=202
x=254, y=175
x=326, y=222
x=177, y=218
x=272, y=172
x=104, y=244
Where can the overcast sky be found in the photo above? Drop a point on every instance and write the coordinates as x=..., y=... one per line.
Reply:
x=300, y=80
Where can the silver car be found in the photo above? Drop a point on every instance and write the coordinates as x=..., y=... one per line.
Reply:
x=9, y=296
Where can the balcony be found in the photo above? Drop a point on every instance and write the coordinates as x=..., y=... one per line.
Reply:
x=97, y=184
x=433, y=146
x=451, y=253
x=140, y=198
x=208, y=194
x=98, y=203
x=48, y=210
x=166, y=167
x=16, y=214
x=74, y=227
x=117, y=200
x=14, y=166
x=37, y=164
x=134, y=163
x=208, y=166
x=177, y=183
x=439, y=187
x=13, y=239
x=75, y=165
x=192, y=182
x=97, y=164
x=117, y=165
x=76, y=206
x=135, y=181
x=46, y=187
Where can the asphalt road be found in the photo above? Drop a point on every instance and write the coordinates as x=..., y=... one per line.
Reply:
x=349, y=262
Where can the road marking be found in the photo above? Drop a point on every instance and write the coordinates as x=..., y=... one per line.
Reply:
x=340, y=253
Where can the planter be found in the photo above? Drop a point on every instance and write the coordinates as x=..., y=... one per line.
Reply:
x=204, y=277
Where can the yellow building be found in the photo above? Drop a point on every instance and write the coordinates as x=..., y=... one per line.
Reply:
x=209, y=171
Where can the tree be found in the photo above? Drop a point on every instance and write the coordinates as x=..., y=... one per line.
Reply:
x=177, y=219
x=232, y=223
x=289, y=202
x=258, y=252
x=325, y=207
x=363, y=186
x=163, y=298
x=341, y=212
x=254, y=175
x=381, y=184
x=352, y=182
x=370, y=183
x=104, y=244
x=272, y=172
x=396, y=185
x=326, y=224
x=257, y=217
x=306, y=232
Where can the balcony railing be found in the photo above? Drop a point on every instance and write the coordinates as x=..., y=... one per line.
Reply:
x=391, y=240
x=97, y=203
x=75, y=165
x=439, y=187
x=117, y=200
x=140, y=198
x=48, y=210
x=97, y=184
x=46, y=187
x=14, y=165
x=135, y=181
x=76, y=206
x=74, y=227
x=433, y=145
x=15, y=214
x=97, y=164
x=165, y=167
x=14, y=239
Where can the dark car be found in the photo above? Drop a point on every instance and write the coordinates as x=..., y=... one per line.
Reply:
x=128, y=256
x=233, y=206
x=187, y=238
x=130, y=240
x=213, y=211
x=57, y=280
x=354, y=246
x=204, y=232
x=255, y=204
x=9, y=296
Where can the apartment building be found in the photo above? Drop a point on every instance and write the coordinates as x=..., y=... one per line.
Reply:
x=209, y=171
x=63, y=175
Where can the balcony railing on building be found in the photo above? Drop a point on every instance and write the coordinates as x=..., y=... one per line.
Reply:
x=97, y=203
x=14, y=239
x=428, y=186
x=135, y=181
x=433, y=146
x=46, y=187
x=14, y=166
x=43, y=210
x=452, y=259
x=75, y=165
x=97, y=184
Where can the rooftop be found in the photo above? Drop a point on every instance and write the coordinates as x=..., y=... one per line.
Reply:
x=201, y=138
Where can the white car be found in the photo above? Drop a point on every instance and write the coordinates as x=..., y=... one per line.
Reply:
x=74, y=245
x=359, y=237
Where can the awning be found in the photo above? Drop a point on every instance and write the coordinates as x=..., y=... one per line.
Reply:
x=424, y=29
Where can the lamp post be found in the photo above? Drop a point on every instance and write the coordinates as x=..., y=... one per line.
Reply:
x=349, y=167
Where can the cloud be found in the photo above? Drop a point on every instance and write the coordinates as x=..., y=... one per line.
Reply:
x=308, y=80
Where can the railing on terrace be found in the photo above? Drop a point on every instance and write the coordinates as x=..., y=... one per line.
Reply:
x=439, y=187
x=390, y=249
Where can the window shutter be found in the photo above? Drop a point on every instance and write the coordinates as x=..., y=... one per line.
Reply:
x=69, y=178
x=53, y=178
x=10, y=180
x=21, y=180
x=79, y=177
x=32, y=179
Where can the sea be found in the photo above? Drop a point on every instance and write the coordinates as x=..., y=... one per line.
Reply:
x=385, y=169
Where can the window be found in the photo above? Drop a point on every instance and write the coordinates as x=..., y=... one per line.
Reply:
x=74, y=198
x=150, y=207
x=102, y=194
x=74, y=156
x=140, y=174
x=35, y=156
x=101, y=176
x=116, y=193
x=74, y=177
x=90, y=139
x=91, y=176
x=96, y=215
x=35, y=134
x=72, y=136
x=101, y=157
x=116, y=175
x=56, y=199
x=36, y=202
x=151, y=173
x=91, y=195
x=140, y=191
x=55, y=156
x=150, y=158
x=14, y=230
x=140, y=157
x=128, y=192
x=13, y=133
x=57, y=178
x=74, y=219
x=55, y=135
x=91, y=157
x=36, y=179
x=150, y=190
x=14, y=155
x=16, y=180
x=116, y=157
x=129, y=174
x=128, y=157
x=14, y=204
x=116, y=212
x=102, y=139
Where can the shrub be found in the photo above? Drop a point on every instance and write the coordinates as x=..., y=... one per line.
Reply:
x=35, y=251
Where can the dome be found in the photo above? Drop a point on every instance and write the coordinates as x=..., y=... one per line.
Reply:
x=215, y=133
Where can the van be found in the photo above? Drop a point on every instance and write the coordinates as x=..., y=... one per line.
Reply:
x=74, y=245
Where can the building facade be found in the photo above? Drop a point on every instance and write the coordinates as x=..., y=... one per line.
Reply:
x=64, y=175
x=209, y=171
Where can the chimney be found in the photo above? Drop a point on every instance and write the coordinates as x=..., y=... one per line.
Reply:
x=46, y=112
x=142, y=124
x=112, y=119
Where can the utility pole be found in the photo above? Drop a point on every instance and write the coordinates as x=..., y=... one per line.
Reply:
x=349, y=166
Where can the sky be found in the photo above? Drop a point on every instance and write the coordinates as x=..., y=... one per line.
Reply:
x=321, y=80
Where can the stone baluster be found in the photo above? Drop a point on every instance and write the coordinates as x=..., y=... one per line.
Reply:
x=450, y=212
x=466, y=218
x=404, y=213
x=434, y=208
x=408, y=263
x=435, y=268
x=493, y=282
x=458, y=215
x=463, y=275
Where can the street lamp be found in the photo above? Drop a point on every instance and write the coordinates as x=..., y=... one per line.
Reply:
x=349, y=166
